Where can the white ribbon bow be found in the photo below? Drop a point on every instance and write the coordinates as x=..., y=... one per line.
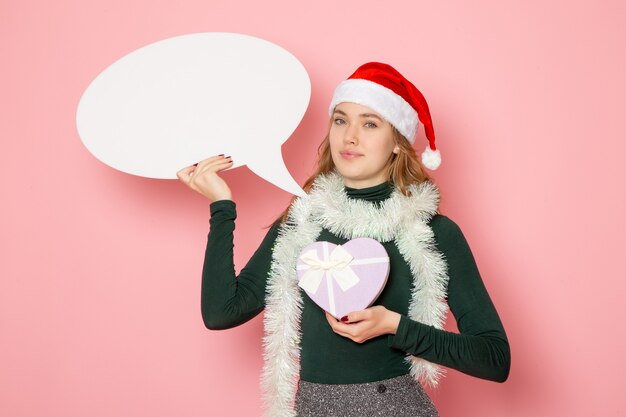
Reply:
x=336, y=265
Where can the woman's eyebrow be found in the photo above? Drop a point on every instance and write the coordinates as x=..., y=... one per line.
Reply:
x=370, y=115
x=361, y=115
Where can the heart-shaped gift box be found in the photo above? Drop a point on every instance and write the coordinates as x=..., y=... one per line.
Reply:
x=343, y=278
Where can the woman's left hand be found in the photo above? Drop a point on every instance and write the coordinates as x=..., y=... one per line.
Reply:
x=366, y=324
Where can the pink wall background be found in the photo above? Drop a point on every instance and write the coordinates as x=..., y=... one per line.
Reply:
x=100, y=270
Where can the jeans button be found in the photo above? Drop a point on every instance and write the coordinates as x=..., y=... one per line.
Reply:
x=382, y=388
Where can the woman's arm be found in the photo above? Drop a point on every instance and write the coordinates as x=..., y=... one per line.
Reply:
x=228, y=300
x=481, y=348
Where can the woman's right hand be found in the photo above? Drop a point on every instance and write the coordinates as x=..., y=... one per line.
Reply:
x=202, y=177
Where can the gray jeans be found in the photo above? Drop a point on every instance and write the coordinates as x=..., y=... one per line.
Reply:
x=401, y=396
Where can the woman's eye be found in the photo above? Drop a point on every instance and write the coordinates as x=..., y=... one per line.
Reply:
x=370, y=125
x=339, y=121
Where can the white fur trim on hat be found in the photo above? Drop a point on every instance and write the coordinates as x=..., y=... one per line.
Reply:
x=382, y=100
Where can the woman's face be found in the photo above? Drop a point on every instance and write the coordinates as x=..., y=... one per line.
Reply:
x=361, y=144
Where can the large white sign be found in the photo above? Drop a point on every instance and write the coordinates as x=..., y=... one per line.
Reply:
x=175, y=102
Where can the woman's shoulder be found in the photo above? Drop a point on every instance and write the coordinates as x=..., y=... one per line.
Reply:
x=445, y=228
x=441, y=221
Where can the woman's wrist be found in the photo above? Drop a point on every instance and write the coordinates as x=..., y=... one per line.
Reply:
x=394, y=321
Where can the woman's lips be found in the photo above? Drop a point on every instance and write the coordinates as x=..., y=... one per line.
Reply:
x=349, y=154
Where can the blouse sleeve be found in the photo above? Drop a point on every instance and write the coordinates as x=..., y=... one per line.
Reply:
x=481, y=349
x=228, y=300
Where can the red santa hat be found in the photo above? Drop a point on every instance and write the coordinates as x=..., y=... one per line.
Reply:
x=383, y=89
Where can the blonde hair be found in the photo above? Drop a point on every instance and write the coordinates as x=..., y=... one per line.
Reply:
x=403, y=168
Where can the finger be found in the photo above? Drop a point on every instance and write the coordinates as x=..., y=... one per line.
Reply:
x=209, y=160
x=335, y=324
x=329, y=317
x=357, y=332
x=214, y=169
x=350, y=333
x=214, y=166
x=184, y=173
x=224, y=165
x=350, y=317
x=339, y=331
x=356, y=316
x=338, y=327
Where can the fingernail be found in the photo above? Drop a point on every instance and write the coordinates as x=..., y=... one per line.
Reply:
x=221, y=154
x=227, y=156
x=344, y=318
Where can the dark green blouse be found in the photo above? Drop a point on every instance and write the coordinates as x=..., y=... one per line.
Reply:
x=481, y=349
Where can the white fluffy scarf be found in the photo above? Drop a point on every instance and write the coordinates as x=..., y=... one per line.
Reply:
x=399, y=218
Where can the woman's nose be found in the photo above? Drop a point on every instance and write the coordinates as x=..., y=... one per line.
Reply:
x=351, y=135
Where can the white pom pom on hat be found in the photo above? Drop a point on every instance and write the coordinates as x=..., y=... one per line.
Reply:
x=383, y=89
x=431, y=159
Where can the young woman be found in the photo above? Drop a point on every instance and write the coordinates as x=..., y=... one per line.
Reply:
x=369, y=182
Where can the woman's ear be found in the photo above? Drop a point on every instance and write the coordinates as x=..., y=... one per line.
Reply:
x=396, y=149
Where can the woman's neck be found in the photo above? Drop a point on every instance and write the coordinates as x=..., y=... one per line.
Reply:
x=374, y=193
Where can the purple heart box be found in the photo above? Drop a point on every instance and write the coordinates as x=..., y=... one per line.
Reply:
x=362, y=264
